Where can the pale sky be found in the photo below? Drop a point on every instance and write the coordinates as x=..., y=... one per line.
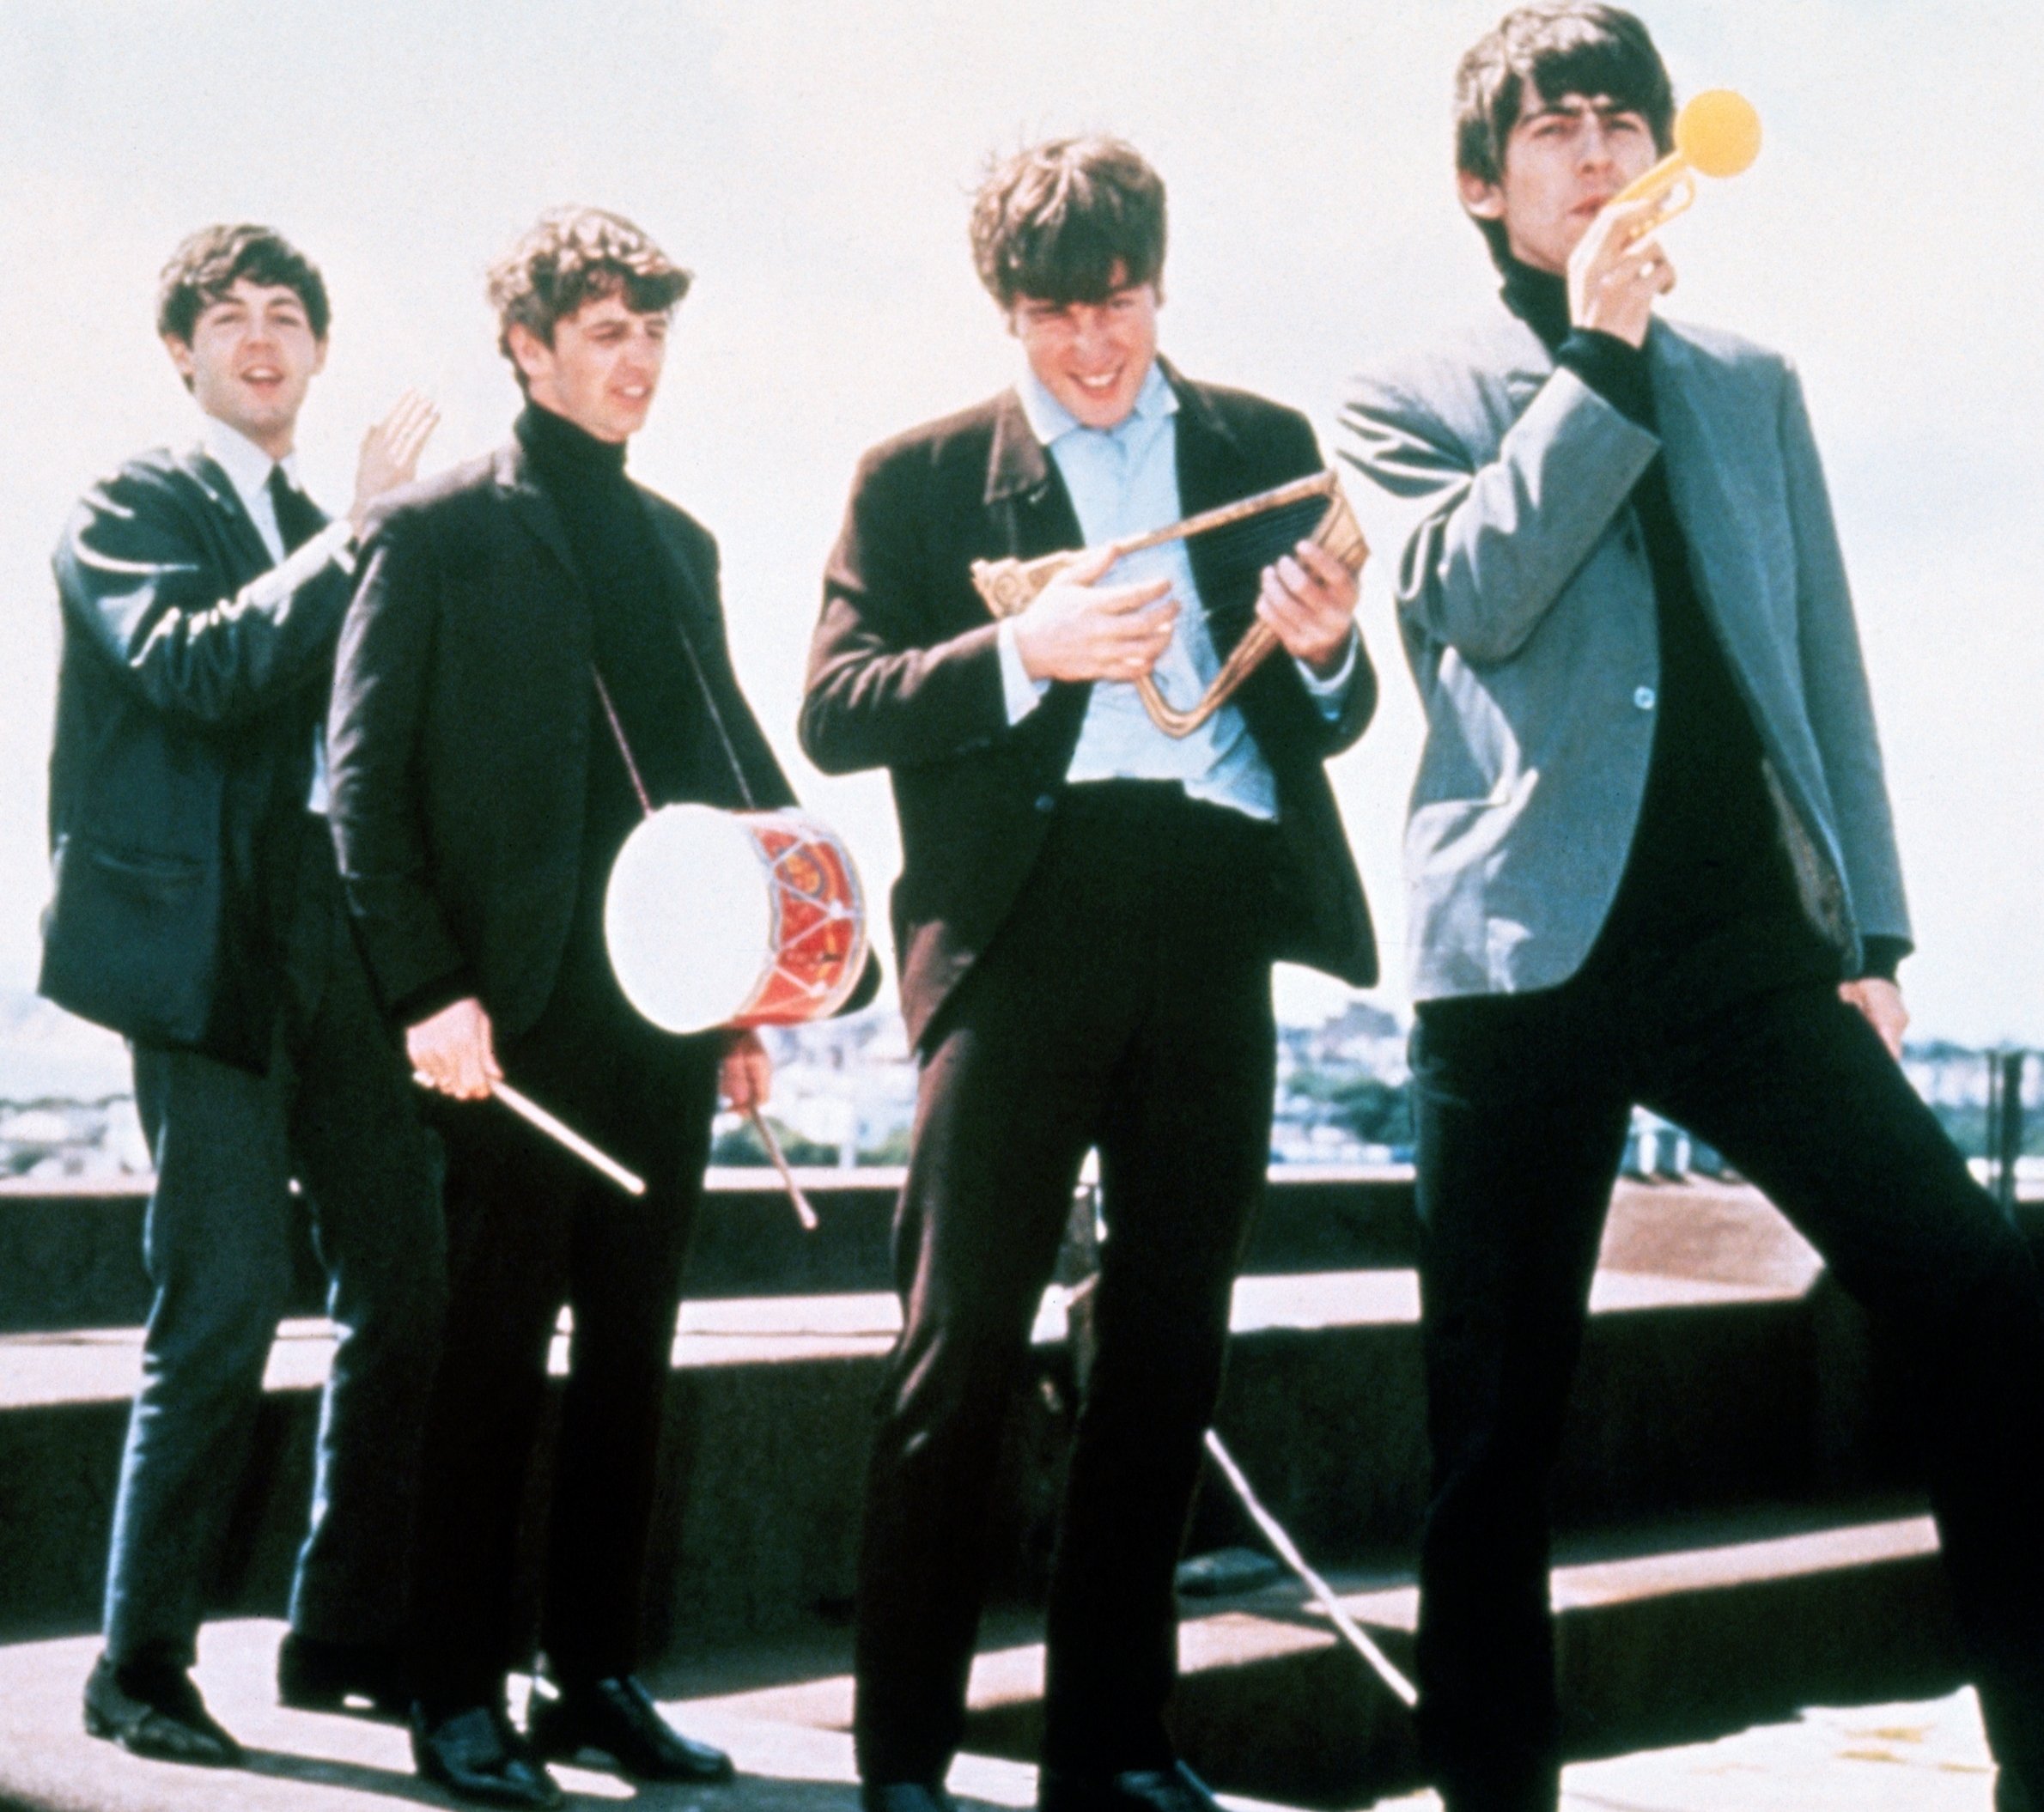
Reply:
x=813, y=162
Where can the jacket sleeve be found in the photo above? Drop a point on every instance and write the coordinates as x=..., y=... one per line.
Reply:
x=1359, y=702
x=1481, y=552
x=136, y=579
x=373, y=738
x=883, y=689
x=1834, y=684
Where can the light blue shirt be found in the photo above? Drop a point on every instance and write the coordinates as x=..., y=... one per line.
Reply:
x=1124, y=480
x=247, y=468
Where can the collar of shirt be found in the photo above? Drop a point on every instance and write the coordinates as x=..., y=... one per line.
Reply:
x=1049, y=420
x=248, y=468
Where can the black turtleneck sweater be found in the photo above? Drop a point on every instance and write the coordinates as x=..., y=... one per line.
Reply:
x=636, y=619
x=1707, y=890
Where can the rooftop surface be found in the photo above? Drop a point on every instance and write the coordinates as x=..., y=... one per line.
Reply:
x=1925, y=1757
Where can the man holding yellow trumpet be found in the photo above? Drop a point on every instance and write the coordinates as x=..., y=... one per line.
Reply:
x=1649, y=859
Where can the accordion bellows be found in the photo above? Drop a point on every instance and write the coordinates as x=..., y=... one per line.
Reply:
x=1238, y=540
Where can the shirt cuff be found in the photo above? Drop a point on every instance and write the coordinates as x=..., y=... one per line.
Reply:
x=1021, y=693
x=1330, y=693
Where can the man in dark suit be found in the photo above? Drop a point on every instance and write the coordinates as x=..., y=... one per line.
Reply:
x=197, y=910
x=537, y=657
x=1087, y=917
x=1650, y=858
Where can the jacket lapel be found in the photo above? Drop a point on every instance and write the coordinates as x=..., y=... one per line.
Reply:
x=1214, y=468
x=1707, y=466
x=533, y=510
x=1209, y=453
x=1031, y=512
x=220, y=491
x=1023, y=487
x=692, y=587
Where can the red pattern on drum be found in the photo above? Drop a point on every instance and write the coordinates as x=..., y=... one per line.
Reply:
x=816, y=929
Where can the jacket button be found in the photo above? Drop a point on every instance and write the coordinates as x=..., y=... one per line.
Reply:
x=1046, y=802
x=1644, y=698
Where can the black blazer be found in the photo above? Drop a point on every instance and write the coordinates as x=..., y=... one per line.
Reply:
x=904, y=674
x=459, y=738
x=191, y=676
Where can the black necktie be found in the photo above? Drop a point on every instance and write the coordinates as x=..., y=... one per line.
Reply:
x=298, y=518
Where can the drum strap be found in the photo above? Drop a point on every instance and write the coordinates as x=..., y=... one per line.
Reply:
x=716, y=718
x=632, y=767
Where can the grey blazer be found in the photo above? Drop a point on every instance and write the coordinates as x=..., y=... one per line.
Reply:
x=1500, y=490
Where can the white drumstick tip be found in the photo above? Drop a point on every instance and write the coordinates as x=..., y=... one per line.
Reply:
x=530, y=1110
x=804, y=1212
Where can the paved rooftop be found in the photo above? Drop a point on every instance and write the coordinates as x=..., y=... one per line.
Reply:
x=1904, y=1758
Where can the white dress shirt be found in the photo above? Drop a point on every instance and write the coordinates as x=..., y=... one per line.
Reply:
x=1124, y=480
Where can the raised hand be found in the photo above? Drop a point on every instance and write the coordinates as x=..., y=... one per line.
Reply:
x=1612, y=282
x=390, y=452
x=1075, y=630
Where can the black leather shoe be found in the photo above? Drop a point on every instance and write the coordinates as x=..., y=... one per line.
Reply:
x=1174, y=1788
x=618, y=1717
x=154, y=1709
x=903, y=1795
x=476, y=1754
x=315, y=1675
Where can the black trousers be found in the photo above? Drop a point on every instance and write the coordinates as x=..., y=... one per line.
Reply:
x=1125, y=1005
x=530, y=1228
x=335, y=1110
x=1521, y=1105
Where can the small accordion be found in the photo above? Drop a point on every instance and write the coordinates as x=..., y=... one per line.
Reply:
x=1238, y=541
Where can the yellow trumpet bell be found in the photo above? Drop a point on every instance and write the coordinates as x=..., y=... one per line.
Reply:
x=1717, y=133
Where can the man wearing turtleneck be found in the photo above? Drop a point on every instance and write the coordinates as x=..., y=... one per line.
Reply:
x=536, y=658
x=1707, y=881
x=633, y=607
x=1649, y=859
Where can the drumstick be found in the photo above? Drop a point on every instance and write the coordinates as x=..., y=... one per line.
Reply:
x=804, y=1212
x=538, y=1116
x=1273, y=1532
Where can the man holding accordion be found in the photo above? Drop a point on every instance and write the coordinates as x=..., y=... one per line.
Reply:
x=1087, y=917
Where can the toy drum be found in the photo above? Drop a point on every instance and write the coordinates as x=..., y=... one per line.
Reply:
x=734, y=918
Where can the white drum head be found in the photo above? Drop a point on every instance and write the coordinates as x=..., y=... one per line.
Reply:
x=688, y=918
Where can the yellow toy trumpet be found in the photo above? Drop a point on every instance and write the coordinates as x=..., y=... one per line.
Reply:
x=1716, y=133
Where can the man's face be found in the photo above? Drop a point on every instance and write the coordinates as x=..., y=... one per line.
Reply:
x=601, y=370
x=249, y=360
x=1092, y=356
x=1563, y=160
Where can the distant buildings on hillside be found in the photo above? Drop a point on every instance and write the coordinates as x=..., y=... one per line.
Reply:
x=844, y=1095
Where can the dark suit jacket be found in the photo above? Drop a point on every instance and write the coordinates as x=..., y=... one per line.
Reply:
x=459, y=739
x=904, y=674
x=191, y=676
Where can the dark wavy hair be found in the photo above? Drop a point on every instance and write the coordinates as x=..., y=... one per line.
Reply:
x=212, y=260
x=1570, y=47
x=577, y=255
x=1066, y=220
